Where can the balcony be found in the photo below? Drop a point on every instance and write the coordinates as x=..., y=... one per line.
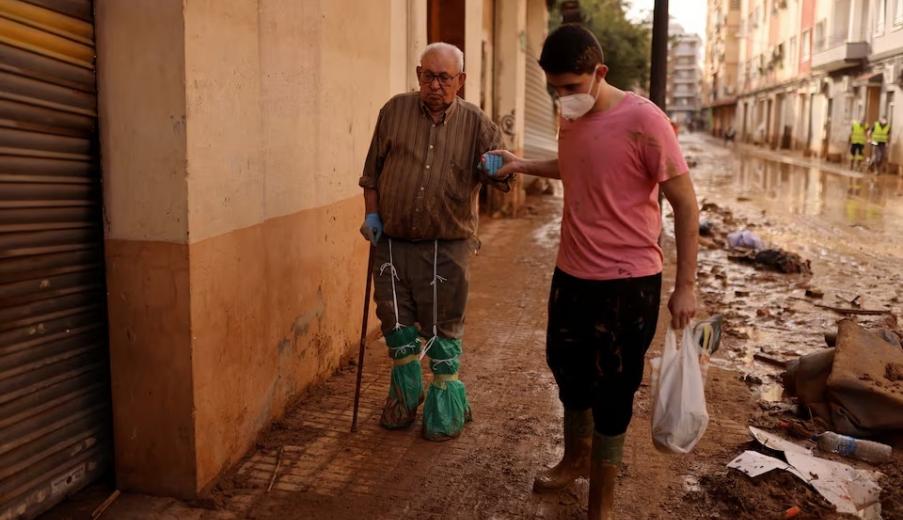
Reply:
x=840, y=56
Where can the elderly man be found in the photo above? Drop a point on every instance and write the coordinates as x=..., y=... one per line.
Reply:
x=421, y=180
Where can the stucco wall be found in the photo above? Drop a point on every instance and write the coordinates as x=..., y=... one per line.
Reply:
x=236, y=270
x=142, y=114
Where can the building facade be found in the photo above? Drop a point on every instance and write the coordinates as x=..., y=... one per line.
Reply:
x=684, y=94
x=722, y=57
x=179, y=246
x=806, y=70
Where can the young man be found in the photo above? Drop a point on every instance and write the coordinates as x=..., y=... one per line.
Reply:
x=616, y=150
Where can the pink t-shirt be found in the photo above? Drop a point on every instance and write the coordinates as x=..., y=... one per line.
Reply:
x=611, y=163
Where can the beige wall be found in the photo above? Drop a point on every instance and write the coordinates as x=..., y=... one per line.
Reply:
x=473, y=56
x=234, y=135
x=281, y=121
x=148, y=195
x=510, y=65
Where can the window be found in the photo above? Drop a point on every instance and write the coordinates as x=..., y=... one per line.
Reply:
x=880, y=16
x=898, y=12
x=807, y=45
x=792, y=51
x=820, y=36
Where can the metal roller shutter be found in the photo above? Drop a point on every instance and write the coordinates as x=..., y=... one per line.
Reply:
x=54, y=369
x=540, y=140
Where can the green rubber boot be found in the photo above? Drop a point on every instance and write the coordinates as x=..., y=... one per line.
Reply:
x=406, y=385
x=446, y=409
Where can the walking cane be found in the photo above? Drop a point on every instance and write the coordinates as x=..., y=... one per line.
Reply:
x=363, y=344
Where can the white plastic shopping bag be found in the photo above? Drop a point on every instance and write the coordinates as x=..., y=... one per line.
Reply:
x=679, y=416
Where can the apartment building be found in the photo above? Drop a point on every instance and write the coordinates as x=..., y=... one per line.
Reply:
x=684, y=90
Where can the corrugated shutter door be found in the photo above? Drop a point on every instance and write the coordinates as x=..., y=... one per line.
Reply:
x=54, y=368
x=539, y=123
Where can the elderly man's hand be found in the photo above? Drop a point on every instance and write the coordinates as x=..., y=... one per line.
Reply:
x=511, y=163
x=372, y=228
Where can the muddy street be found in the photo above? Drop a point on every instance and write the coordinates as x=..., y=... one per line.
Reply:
x=309, y=466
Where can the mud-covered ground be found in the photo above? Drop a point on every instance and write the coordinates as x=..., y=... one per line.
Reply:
x=847, y=226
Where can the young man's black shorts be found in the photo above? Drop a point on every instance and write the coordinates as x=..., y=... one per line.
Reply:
x=597, y=338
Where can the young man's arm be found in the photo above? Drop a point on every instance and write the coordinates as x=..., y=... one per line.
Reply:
x=682, y=197
x=537, y=168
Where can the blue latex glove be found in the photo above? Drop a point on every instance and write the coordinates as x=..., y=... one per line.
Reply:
x=372, y=229
x=491, y=163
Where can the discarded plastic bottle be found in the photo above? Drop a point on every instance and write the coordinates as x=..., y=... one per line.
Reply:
x=868, y=451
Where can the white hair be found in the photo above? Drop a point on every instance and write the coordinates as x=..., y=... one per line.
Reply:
x=442, y=46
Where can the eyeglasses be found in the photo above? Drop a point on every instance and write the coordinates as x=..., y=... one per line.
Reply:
x=426, y=77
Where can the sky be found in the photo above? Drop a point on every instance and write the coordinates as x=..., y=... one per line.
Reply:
x=690, y=14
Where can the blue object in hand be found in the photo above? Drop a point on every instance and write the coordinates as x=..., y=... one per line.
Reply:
x=372, y=228
x=492, y=163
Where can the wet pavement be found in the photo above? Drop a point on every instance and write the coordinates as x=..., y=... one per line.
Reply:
x=847, y=224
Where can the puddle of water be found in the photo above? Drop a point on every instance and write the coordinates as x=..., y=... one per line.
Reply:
x=847, y=224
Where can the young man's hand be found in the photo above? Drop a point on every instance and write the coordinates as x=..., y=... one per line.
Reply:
x=682, y=306
x=511, y=163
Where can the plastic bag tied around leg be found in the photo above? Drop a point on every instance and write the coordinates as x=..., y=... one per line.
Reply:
x=406, y=383
x=446, y=409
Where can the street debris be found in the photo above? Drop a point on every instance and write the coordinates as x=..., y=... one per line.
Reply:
x=814, y=293
x=775, y=260
x=853, y=311
x=745, y=239
x=851, y=386
x=275, y=469
x=776, y=443
x=845, y=446
x=893, y=372
x=753, y=464
x=848, y=489
x=102, y=508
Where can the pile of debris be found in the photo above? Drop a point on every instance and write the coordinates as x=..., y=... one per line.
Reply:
x=843, y=394
x=854, y=388
x=744, y=245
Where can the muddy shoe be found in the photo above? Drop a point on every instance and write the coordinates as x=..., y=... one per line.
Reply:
x=708, y=334
x=573, y=465
x=578, y=442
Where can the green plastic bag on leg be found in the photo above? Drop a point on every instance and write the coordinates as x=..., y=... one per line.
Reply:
x=446, y=409
x=406, y=381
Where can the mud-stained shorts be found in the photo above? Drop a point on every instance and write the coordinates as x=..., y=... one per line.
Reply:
x=413, y=263
x=596, y=343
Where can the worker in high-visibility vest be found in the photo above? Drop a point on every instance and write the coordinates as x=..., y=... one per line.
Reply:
x=857, y=142
x=880, y=137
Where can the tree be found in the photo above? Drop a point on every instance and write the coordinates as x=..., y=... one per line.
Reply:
x=626, y=44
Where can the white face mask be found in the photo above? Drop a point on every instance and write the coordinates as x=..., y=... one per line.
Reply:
x=575, y=106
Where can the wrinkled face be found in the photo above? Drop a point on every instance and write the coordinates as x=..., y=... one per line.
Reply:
x=440, y=79
x=569, y=83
